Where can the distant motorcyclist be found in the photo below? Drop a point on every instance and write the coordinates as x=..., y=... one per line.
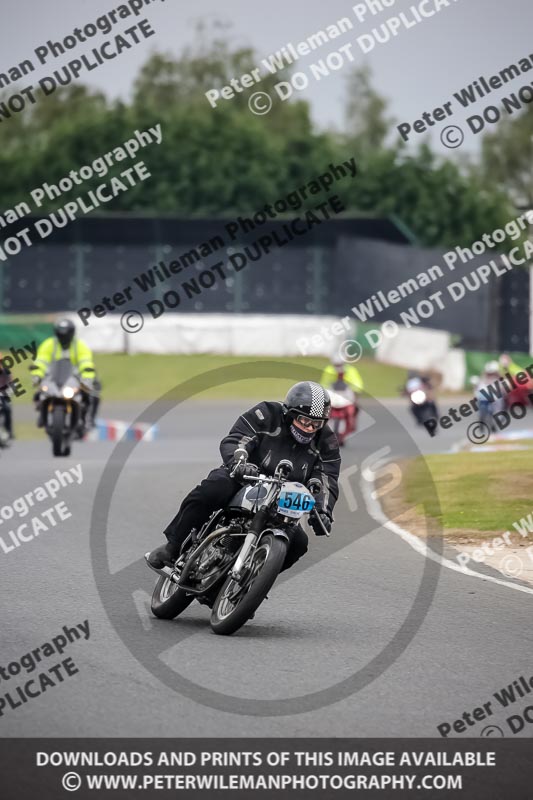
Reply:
x=419, y=383
x=339, y=370
x=519, y=392
x=491, y=374
x=490, y=382
x=417, y=379
x=344, y=382
x=490, y=394
x=5, y=400
x=508, y=365
x=257, y=442
x=64, y=344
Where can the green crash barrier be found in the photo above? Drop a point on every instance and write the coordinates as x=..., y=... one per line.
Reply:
x=361, y=328
x=475, y=362
x=17, y=334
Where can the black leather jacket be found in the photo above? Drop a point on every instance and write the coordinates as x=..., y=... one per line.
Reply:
x=263, y=431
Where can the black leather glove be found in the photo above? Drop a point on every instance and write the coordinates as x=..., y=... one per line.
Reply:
x=325, y=519
x=238, y=466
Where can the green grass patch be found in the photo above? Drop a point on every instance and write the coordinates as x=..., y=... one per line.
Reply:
x=28, y=431
x=147, y=377
x=476, y=492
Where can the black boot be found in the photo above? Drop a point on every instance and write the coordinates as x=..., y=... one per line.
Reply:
x=164, y=554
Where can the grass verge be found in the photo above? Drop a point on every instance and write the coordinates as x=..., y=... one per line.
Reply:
x=147, y=377
x=473, y=495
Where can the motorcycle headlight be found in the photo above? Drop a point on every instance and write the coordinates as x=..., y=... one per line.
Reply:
x=418, y=397
x=68, y=392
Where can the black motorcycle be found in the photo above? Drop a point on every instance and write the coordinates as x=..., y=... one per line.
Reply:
x=232, y=562
x=62, y=402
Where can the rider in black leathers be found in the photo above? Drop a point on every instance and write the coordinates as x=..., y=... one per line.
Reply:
x=268, y=432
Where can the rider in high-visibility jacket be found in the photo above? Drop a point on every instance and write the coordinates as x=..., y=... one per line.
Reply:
x=64, y=344
x=350, y=375
x=50, y=350
x=508, y=365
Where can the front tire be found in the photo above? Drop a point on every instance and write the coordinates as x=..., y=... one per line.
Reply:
x=58, y=425
x=227, y=617
x=340, y=429
x=168, y=600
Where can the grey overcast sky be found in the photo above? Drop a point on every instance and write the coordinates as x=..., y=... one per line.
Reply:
x=418, y=70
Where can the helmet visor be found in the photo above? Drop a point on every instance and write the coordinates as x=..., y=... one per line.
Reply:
x=65, y=338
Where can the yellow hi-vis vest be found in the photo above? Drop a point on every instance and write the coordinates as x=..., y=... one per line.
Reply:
x=50, y=350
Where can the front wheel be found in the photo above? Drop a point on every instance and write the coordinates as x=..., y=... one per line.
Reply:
x=58, y=427
x=340, y=430
x=168, y=600
x=237, y=602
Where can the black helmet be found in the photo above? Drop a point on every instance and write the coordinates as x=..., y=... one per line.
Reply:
x=309, y=399
x=64, y=329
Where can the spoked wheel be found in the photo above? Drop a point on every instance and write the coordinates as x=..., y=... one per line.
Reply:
x=236, y=601
x=168, y=600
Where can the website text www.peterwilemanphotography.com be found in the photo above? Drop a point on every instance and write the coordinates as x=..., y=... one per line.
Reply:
x=266, y=399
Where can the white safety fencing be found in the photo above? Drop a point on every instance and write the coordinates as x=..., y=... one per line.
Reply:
x=224, y=334
x=425, y=349
x=273, y=335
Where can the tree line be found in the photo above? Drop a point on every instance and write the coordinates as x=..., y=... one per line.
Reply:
x=227, y=161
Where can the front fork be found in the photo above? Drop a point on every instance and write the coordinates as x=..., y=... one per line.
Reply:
x=69, y=413
x=250, y=542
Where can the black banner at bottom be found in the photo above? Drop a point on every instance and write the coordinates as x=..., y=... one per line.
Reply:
x=52, y=769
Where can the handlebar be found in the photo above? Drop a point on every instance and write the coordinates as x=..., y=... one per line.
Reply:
x=262, y=479
x=283, y=470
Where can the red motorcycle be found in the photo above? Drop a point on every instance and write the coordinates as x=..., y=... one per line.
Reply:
x=521, y=394
x=344, y=410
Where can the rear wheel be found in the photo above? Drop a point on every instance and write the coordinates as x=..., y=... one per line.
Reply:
x=237, y=602
x=168, y=600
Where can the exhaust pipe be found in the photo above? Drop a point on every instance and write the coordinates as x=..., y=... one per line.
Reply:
x=165, y=572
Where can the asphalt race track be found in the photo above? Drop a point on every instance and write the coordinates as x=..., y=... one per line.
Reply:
x=366, y=637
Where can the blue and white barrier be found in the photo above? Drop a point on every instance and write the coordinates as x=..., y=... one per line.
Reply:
x=112, y=430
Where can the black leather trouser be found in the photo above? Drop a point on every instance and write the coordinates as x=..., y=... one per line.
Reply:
x=215, y=492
